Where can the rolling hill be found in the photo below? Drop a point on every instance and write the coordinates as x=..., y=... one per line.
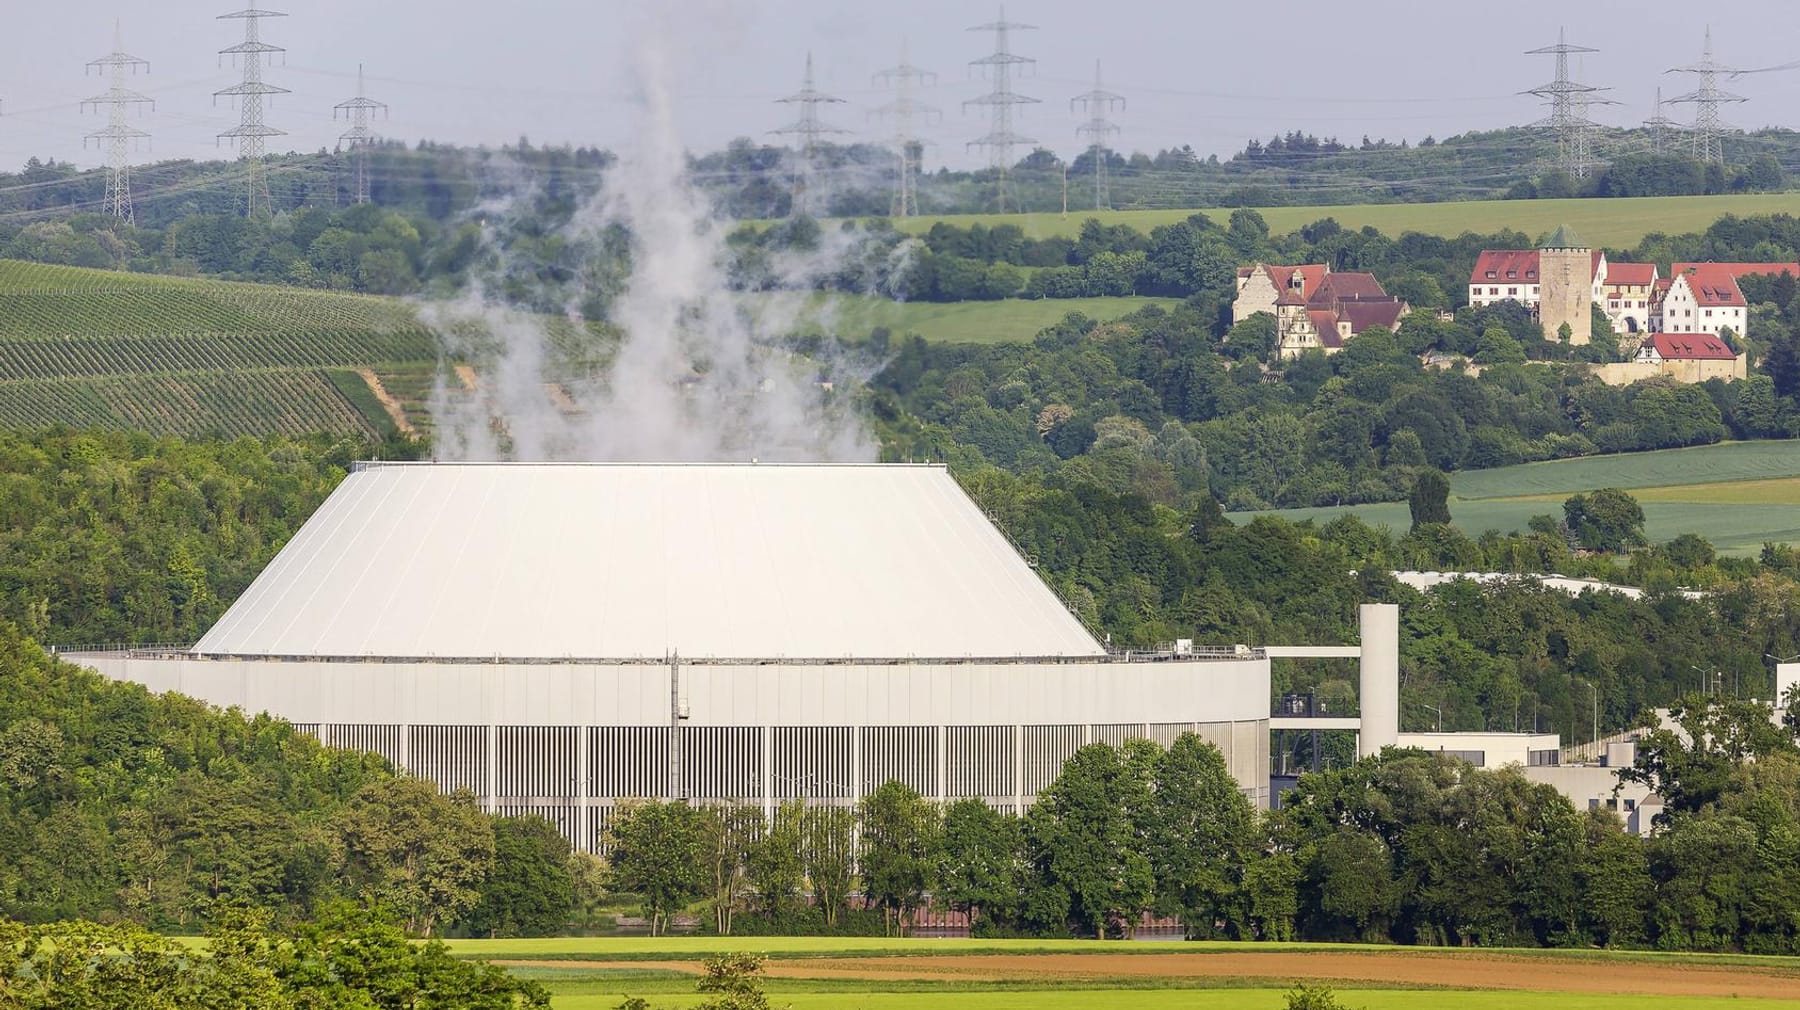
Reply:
x=181, y=356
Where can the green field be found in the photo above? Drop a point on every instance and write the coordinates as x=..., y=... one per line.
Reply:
x=1739, y=495
x=851, y=317
x=891, y=974
x=1614, y=224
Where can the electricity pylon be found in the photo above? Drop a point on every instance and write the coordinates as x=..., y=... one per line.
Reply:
x=1709, y=127
x=1098, y=104
x=1569, y=101
x=1000, y=140
x=360, y=137
x=118, y=135
x=251, y=134
x=905, y=113
x=808, y=128
x=1660, y=126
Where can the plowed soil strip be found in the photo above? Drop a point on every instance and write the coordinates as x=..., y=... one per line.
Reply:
x=1448, y=970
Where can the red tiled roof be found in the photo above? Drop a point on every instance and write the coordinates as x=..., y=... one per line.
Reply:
x=1691, y=346
x=1362, y=315
x=1358, y=286
x=1737, y=270
x=1522, y=263
x=1713, y=288
x=1493, y=265
x=1326, y=323
x=1630, y=273
x=1281, y=276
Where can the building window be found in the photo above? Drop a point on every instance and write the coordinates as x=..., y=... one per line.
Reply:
x=1493, y=291
x=1491, y=275
x=1630, y=805
x=1478, y=758
x=1543, y=758
x=1512, y=292
x=1709, y=313
x=1593, y=803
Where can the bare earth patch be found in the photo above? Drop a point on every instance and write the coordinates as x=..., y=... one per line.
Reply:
x=1405, y=968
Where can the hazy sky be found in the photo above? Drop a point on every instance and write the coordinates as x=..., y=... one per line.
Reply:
x=1209, y=74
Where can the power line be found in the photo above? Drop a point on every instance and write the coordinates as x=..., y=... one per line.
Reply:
x=905, y=112
x=360, y=137
x=1000, y=140
x=1569, y=101
x=251, y=134
x=809, y=128
x=118, y=135
x=1098, y=103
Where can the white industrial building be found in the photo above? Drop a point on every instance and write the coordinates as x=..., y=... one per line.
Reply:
x=557, y=638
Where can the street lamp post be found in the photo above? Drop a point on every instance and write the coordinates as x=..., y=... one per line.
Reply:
x=1440, y=715
x=1594, y=687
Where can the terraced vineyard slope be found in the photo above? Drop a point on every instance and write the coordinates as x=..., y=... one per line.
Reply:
x=180, y=356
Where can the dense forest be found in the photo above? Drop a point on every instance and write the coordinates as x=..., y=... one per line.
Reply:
x=116, y=804
x=1158, y=404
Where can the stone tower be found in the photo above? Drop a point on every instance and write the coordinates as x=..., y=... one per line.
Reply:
x=1566, y=287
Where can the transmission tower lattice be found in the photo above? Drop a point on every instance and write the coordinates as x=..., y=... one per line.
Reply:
x=906, y=112
x=1569, y=101
x=998, y=66
x=808, y=128
x=1708, y=128
x=1098, y=104
x=1660, y=127
x=360, y=136
x=251, y=134
x=118, y=135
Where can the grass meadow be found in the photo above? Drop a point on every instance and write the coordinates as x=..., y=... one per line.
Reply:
x=1613, y=224
x=1012, y=320
x=1739, y=495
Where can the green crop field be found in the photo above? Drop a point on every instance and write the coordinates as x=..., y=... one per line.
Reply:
x=1706, y=464
x=826, y=973
x=1614, y=224
x=173, y=355
x=851, y=317
x=1739, y=495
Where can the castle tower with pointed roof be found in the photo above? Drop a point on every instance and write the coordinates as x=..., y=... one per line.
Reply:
x=1566, y=270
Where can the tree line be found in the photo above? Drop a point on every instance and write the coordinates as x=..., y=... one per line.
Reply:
x=1404, y=847
x=751, y=180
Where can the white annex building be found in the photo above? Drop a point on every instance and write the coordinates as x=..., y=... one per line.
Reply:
x=558, y=638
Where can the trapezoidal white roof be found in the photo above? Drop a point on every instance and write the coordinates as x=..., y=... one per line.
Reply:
x=633, y=561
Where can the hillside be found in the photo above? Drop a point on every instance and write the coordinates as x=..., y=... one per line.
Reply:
x=172, y=355
x=1614, y=224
